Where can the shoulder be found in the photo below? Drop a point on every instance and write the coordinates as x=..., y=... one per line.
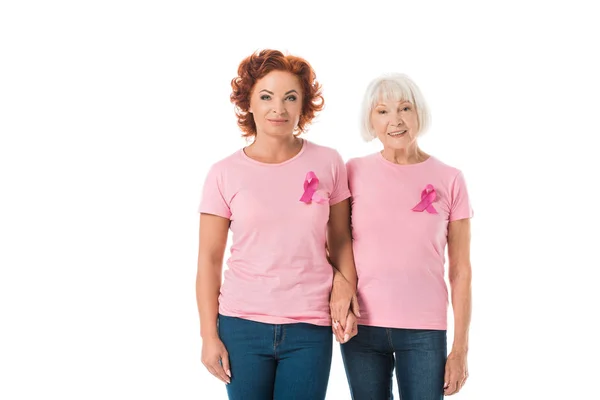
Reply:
x=221, y=170
x=226, y=162
x=321, y=151
x=443, y=169
x=358, y=162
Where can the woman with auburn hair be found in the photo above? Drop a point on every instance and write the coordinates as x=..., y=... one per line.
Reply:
x=407, y=206
x=266, y=330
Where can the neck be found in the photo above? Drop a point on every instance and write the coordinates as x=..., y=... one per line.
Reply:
x=274, y=149
x=411, y=155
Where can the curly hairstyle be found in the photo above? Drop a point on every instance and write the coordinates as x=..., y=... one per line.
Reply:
x=259, y=64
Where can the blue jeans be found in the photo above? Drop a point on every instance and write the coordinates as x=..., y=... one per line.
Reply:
x=289, y=361
x=418, y=355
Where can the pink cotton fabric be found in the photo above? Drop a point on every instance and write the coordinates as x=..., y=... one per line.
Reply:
x=400, y=216
x=278, y=271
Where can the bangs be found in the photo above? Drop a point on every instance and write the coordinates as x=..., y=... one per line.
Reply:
x=391, y=90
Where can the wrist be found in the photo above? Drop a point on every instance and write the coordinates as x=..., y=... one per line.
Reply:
x=459, y=350
x=338, y=277
x=342, y=281
x=209, y=333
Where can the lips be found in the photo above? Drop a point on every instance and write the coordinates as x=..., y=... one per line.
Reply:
x=397, y=133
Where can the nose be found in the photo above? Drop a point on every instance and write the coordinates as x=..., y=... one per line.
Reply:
x=279, y=108
x=398, y=120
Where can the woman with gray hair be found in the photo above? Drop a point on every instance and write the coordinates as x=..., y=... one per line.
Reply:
x=406, y=207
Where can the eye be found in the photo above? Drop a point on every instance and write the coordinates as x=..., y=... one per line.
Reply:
x=382, y=112
x=292, y=98
x=407, y=108
x=265, y=97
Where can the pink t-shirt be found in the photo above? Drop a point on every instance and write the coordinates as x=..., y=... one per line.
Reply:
x=399, y=252
x=278, y=271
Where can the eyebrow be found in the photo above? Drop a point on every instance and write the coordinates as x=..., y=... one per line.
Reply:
x=288, y=92
x=400, y=101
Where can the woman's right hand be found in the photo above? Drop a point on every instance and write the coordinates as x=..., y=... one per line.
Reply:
x=216, y=359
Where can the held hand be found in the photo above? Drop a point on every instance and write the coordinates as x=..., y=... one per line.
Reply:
x=344, y=334
x=216, y=359
x=456, y=374
x=343, y=295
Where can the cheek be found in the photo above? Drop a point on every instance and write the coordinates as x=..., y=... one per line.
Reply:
x=297, y=108
x=379, y=126
x=414, y=121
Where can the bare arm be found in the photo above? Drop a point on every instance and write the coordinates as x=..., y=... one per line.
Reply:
x=459, y=261
x=339, y=241
x=213, y=239
x=459, y=272
x=341, y=257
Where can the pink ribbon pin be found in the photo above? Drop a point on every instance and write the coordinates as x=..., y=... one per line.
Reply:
x=428, y=196
x=311, y=183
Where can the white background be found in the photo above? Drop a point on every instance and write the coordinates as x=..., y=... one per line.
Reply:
x=111, y=113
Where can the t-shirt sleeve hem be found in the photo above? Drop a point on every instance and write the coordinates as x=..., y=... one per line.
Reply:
x=339, y=198
x=218, y=213
x=460, y=216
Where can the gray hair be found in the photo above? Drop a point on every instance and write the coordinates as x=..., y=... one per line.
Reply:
x=392, y=87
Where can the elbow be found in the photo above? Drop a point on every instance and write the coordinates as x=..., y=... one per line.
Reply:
x=460, y=274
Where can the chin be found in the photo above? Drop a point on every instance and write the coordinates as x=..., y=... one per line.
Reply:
x=280, y=133
x=396, y=146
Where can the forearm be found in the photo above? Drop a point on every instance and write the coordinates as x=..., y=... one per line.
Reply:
x=461, y=304
x=342, y=260
x=208, y=285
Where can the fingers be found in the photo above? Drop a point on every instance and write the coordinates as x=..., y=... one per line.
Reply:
x=339, y=310
x=454, y=378
x=339, y=313
x=334, y=313
x=351, y=329
x=453, y=384
x=451, y=388
x=218, y=370
x=342, y=320
x=446, y=379
x=344, y=334
x=225, y=364
x=338, y=331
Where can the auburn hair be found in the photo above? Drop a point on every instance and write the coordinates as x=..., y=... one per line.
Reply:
x=259, y=64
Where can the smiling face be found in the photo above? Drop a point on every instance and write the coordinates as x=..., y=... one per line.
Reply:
x=395, y=123
x=276, y=103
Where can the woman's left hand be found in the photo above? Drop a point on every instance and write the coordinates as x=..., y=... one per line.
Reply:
x=342, y=295
x=343, y=335
x=457, y=372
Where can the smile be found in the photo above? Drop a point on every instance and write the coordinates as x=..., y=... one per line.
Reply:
x=397, y=133
x=277, y=121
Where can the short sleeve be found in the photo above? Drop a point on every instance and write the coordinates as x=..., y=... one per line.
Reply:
x=460, y=207
x=213, y=200
x=340, y=190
